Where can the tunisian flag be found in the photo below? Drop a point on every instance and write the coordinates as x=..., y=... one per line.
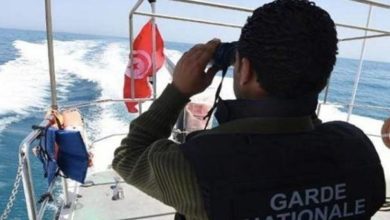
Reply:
x=142, y=65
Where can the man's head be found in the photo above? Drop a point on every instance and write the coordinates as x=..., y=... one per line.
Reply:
x=287, y=49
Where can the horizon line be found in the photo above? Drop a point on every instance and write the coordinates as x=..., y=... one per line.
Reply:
x=126, y=37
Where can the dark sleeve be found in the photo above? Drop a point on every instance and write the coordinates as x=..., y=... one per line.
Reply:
x=154, y=164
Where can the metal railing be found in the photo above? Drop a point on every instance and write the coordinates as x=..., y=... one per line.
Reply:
x=170, y=65
x=24, y=160
x=373, y=3
x=200, y=21
x=153, y=15
x=360, y=69
x=382, y=33
x=33, y=210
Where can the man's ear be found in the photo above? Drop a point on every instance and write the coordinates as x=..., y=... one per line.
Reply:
x=245, y=71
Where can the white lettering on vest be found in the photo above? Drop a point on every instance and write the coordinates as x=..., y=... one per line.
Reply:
x=311, y=195
x=326, y=194
x=360, y=206
x=278, y=202
x=283, y=216
x=321, y=213
x=340, y=190
x=335, y=213
x=322, y=203
x=345, y=211
x=295, y=200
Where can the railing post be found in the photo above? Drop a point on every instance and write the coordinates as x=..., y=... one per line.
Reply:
x=360, y=69
x=154, y=67
x=28, y=187
x=67, y=203
x=325, y=97
x=24, y=159
x=131, y=38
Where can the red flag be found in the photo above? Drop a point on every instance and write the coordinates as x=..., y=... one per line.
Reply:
x=142, y=65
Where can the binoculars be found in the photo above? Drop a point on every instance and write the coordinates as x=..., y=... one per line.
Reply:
x=224, y=55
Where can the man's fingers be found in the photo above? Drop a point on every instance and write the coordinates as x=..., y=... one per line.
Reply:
x=189, y=75
x=196, y=50
x=203, y=53
x=208, y=52
x=196, y=47
x=386, y=131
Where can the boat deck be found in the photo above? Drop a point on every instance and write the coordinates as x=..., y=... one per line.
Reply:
x=95, y=200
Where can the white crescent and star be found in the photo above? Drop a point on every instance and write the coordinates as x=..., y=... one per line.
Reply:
x=142, y=62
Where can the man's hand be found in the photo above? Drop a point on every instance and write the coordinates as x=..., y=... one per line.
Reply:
x=386, y=131
x=189, y=76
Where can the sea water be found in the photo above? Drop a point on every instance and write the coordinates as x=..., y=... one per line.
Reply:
x=91, y=68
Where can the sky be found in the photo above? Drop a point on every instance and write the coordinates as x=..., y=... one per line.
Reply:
x=103, y=17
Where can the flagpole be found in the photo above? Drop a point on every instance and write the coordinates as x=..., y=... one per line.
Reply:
x=154, y=64
x=131, y=38
x=49, y=36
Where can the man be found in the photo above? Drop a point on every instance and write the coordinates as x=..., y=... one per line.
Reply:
x=269, y=158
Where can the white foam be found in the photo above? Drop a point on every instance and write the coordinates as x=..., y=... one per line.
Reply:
x=3, y=184
x=107, y=125
x=173, y=55
x=25, y=80
x=4, y=121
x=24, y=83
x=106, y=68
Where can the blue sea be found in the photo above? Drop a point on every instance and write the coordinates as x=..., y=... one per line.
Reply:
x=91, y=68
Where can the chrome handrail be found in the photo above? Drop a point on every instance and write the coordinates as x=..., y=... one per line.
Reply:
x=354, y=27
x=188, y=19
x=238, y=8
x=360, y=68
x=106, y=137
x=133, y=11
x=364, y=37
x=45, y=202
x=154, y=48
x=24, y=159
x=28, y=186
x=202, y=21
x=131, y=37
x=373, y=3
x=357, y=105
x=102, y=101
x=216, y=5
x=242, y=9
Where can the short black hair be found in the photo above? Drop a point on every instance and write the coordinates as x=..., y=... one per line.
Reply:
x=292, y=46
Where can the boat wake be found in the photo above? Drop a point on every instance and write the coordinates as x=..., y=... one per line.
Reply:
x=26, y=86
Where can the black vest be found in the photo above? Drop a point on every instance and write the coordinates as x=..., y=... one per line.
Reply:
x=327, y=171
